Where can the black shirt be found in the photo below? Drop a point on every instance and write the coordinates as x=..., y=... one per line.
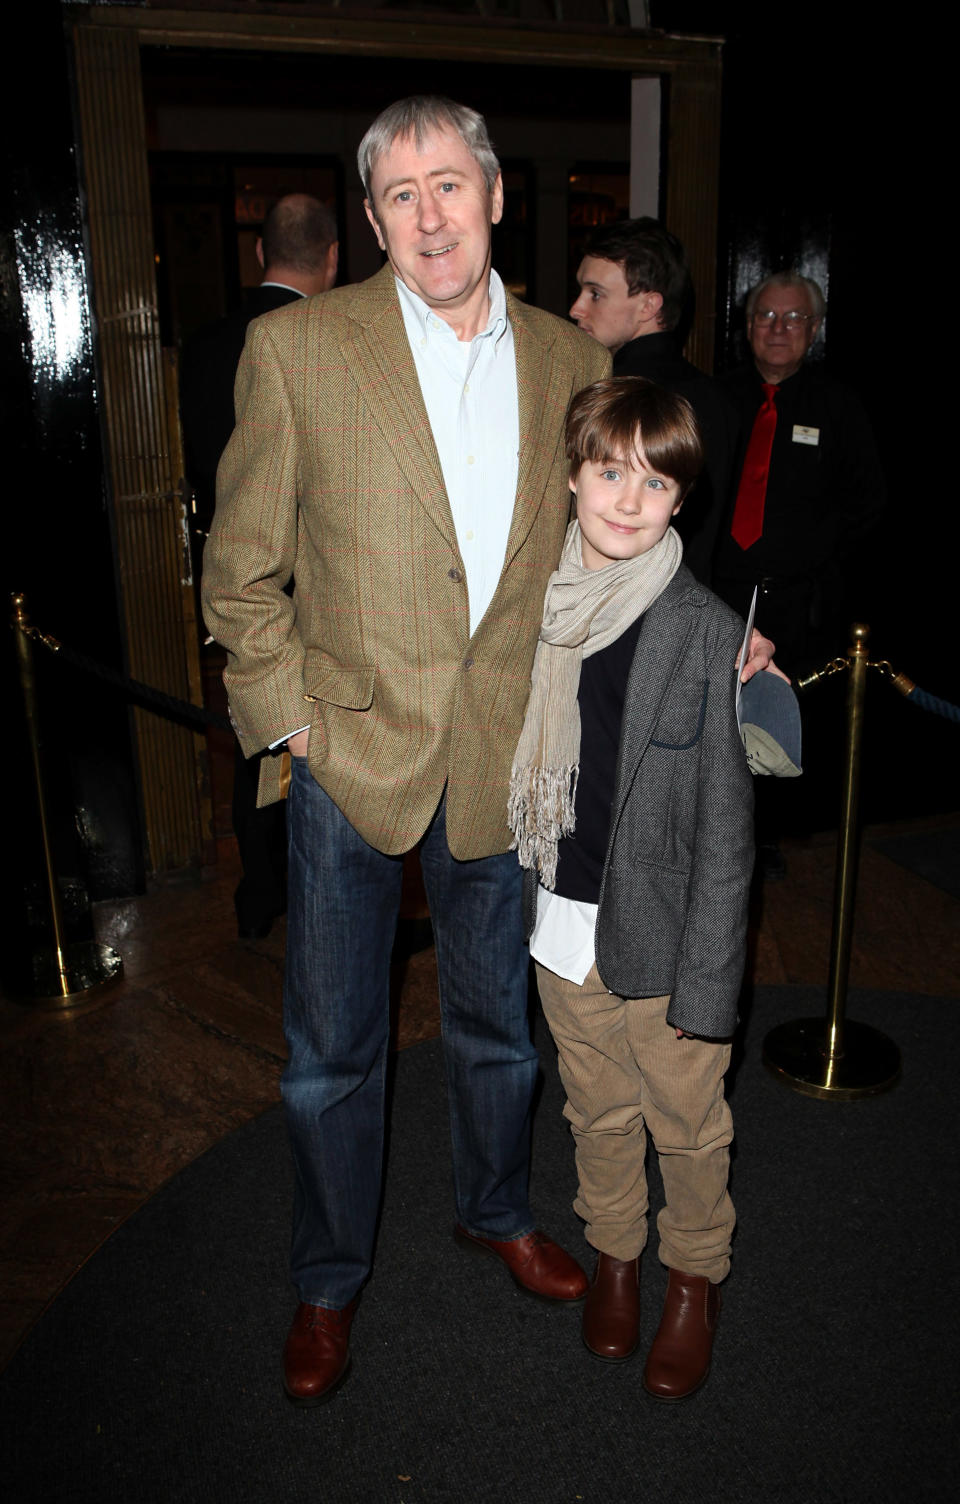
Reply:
x=603, y=688
x=822, y=497
x=660, y=358
x=208, y=369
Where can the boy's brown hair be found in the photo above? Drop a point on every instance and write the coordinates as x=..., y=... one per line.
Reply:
x=613, y=419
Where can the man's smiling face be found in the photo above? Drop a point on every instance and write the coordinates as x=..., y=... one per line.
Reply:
x=432, y=212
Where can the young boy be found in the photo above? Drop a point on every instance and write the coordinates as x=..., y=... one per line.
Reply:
x=631, y=802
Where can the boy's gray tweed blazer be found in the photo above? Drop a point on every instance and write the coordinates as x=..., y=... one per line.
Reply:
x=673, y=901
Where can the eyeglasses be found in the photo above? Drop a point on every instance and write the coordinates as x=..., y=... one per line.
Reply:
x=767, y=317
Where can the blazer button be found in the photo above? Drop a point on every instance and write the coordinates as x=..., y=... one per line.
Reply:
x=468, y=663
x=455, y=575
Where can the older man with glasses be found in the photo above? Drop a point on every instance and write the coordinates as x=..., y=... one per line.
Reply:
x=810, y=490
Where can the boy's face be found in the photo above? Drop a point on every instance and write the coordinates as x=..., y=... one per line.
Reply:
x=623, y=508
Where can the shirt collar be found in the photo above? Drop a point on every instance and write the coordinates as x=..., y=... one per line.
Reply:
x=425, y=320
x=787, y=380
x=286, y=287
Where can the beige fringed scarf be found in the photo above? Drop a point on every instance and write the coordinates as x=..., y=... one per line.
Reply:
x=585, y=610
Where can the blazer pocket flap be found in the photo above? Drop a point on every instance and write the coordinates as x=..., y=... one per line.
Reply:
x=325, y=680
x=680, y=722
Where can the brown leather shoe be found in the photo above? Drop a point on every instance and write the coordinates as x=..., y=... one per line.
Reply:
x=316, y=1357
x=611, y=1313
x=679, y=1359
x=538, y=1265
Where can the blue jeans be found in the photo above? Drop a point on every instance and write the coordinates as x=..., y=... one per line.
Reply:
x=343, y=900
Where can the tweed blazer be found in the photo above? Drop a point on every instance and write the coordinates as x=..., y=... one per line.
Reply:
x=332, y=476
x=672, y=916
x=673, y=900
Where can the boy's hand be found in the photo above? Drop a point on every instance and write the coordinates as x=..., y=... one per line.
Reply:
x=761, y=657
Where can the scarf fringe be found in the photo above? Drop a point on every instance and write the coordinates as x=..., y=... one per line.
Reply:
x=540, y=810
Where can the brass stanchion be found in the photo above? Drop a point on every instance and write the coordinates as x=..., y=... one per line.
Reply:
x=68, y=975
x=834, y=1057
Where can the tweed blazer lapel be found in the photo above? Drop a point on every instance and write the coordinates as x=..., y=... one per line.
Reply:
x=663, y=640
x=542, y=395
x=378, y=359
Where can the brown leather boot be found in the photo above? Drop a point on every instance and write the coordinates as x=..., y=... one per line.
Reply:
x=679, y=1359
x=611, y=1313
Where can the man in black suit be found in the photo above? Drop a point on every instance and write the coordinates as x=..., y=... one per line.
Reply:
x=635, y=289
x=811, y=485
x=810, y=490
x=298, y=253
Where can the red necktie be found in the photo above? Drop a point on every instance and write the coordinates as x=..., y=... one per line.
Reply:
x=748, y=512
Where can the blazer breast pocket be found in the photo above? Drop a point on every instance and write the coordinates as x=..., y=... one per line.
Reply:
x=680, y=722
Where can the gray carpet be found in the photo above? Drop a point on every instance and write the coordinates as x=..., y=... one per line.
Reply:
x=155, y=1376
x=931, y=854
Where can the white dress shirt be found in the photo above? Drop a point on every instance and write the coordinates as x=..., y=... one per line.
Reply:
x=469, y=389
x=563, y=938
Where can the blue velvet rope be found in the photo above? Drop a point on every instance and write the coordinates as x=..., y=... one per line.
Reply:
x=919, y=697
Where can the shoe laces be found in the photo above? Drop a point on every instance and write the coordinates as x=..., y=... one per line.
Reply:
x=321, y=1317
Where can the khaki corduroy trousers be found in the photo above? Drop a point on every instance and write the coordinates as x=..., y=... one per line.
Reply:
x=626, y=1074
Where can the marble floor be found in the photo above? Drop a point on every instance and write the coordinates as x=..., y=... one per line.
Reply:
x=99, y=1108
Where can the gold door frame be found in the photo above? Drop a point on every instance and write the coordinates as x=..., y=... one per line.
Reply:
x=140, y=419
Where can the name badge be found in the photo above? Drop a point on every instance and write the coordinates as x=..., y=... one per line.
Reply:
x=802, y=435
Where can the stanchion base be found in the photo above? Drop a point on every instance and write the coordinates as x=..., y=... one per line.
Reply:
x=90, y=969
x=796, y=1053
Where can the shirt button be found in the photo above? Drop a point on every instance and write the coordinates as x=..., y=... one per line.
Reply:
x=455, y=575
x=468, y=663
x=470, y=536
x=466, y=387
x=469, y=459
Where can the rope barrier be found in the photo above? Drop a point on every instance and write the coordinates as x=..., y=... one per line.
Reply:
x=835, y=1057
x=68, y=973
x=921, y=698
x=917, y=696
x=184, y=710
x=156, y=698
x=925, y=701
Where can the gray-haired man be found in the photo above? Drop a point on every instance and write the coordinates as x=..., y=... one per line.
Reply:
x=398, y=451
x=810, y=489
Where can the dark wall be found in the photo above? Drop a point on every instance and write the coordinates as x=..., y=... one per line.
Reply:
x=827, y=141
x=58, y=548
x=821, y=136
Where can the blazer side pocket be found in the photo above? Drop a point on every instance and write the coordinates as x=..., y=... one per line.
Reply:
x=336, y=695
x=323, y=679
